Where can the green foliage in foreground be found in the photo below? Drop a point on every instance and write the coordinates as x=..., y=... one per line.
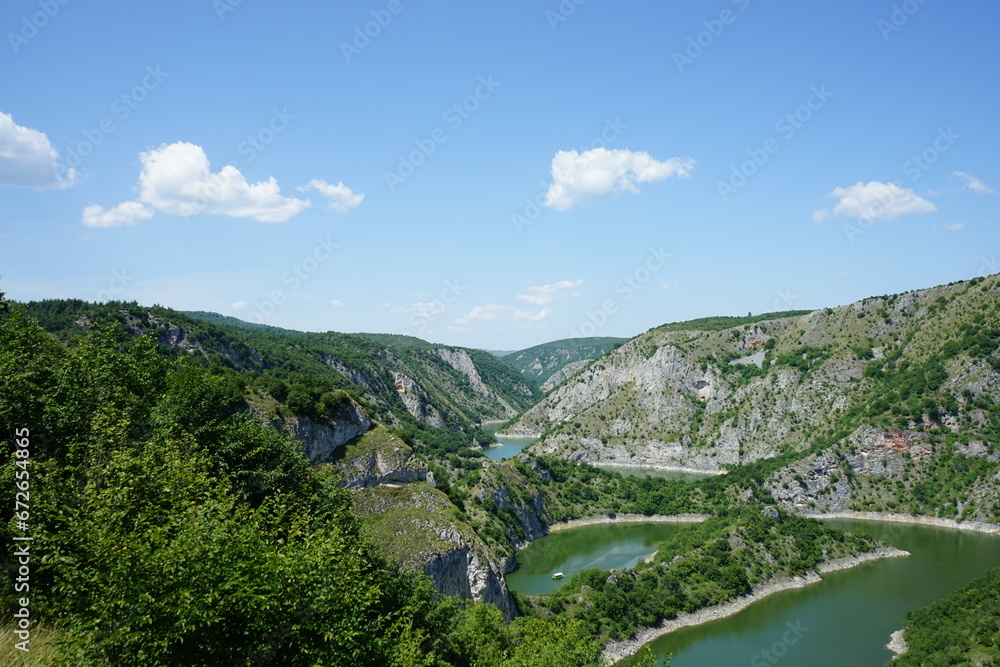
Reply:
x=960, y=629
x=699, y=566
x=171, y=529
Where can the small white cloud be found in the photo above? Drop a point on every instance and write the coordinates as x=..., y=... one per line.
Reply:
x=239, y=305
x=126, y=213
x=488, y=312
x=336, y=303
x=973, y=184
x=533, y=317
x=875, y=202
x=177, y=179
x=845, y=274
x=670, y=286
x=954, y=226
x=543, y=295
x=340, y=198
x=582, y=177
x=28, y=160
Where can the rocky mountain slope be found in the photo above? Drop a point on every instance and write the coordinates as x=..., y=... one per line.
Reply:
x=887, y=404
x=400, y=379
x=549, y=364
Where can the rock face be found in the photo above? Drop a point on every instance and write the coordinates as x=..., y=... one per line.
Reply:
x=417, y=526
x=320, y=440
x=416, y=401
x=704, y=400
x=468, y=572
x=379, y=459
x=563, y=374
x=460, y=360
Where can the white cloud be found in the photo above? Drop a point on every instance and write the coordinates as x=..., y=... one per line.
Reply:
x=239, y=305
x=177, y=179
x=340, y=198
x=670, y=286
x=875, y=202
x=599, y=172
x=488, y=312
x=973, y=184
x=543, y=295
x=954, y=226
x=336, y=303
x=126, y=213
x=28, y=160
x=845, y=274
x=534, y=317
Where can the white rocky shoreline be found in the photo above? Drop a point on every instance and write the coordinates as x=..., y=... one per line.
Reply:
x=897, y=643
x=971, y=526
x=627, y=518
x=608, y=465
x=616, y=651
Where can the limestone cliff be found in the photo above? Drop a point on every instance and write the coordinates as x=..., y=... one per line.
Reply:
x=890, y=403
x=380, y=458
x=460, y=360
x=417, y=526
x=416, y=401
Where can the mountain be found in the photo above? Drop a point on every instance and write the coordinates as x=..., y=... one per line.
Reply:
x=549, y=364
x=887, y=404
x=402, y=380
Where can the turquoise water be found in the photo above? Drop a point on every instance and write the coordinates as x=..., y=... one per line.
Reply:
x=608, y=546
x=506, y=448
x=846, y=619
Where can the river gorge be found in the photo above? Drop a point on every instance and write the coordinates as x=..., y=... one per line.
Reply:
x=846, y=618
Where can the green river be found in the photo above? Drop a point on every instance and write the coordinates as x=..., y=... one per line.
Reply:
x=844, y=620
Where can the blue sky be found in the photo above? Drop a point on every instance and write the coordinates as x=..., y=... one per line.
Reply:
x=496, y=175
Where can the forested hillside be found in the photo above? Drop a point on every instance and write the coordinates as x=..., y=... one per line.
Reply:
x=171, y=527
x=404, y=381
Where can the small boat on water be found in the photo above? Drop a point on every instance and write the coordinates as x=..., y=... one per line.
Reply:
x=558, y=575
